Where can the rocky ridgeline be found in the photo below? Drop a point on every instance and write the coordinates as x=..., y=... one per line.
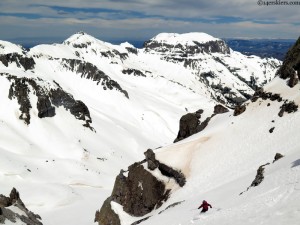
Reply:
x=91, y=72
x=27, y=63
x=287, y=105
x=190, y=123
x=49, y=96
x=260, y=173
x=139, y=192
x=80, y=43
x=185, y=53
x=290, y=68
x=8, y=212
x=217, y=46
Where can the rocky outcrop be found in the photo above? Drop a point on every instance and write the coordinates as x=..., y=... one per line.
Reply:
x=187, y=126
x=19, y=89
x=260, y=173
x=190, y=123
x=49, y=96
x=219, y=109
x=91, y=72
x=139, y=192
x=7, y=213
x=260, y=93
x=106, y=215
x=289, y=107
x=133, y=72
x=290, y=68
x=239, y=109
x=152, y=164
x=277, y=157
x=26, y=63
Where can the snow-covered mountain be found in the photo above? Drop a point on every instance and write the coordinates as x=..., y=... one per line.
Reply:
x=74, y=114
x=245, y=163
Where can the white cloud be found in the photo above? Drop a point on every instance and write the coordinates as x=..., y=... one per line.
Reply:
x=108, y=25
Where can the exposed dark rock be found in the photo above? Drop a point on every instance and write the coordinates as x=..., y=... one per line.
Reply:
x=277, y=157
x=122, y=56
x=259, y=176
x=8, y=214
x=91, y=72
x=172, y=173
x=76, y=107
x=259, y=93
x=151, y=161
x=185, y=50
x=288, y=107
x=239, y=110
x=140, y=221
x=19, y=89
x=140, y=192
x=47, y=98
x=231, y=97
x=187, y=126
x=199, y=112
x=293, y=80
x=219, y=109
x=190, y=124
x=171, y=206
x=272, y=129
x=21, y=61
x=291, y=65
x=106, y=215
x=132, y=50
x=164, y=169
x=44, y=107
x=204, y=124
x=135, y=72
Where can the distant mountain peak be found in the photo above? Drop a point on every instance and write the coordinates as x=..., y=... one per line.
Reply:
x=80, y=37
x=186, y=38
x=7, y=48
x=186, y=44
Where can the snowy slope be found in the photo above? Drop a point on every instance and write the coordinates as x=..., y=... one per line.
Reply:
x=135, y=98
x=221, y=162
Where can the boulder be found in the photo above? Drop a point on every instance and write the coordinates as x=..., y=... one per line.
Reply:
x=187, y=126
x=219, y=109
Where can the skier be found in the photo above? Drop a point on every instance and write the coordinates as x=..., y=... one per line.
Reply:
x=204, y=206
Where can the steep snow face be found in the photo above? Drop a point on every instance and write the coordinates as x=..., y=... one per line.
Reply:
x=221, y=162
x=134, y=97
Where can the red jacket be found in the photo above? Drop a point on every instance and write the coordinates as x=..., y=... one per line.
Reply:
x=204, y=205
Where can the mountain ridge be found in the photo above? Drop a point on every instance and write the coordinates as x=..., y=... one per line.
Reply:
x=131, y=99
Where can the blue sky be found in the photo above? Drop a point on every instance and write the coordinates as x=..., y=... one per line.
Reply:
x=40, y=21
